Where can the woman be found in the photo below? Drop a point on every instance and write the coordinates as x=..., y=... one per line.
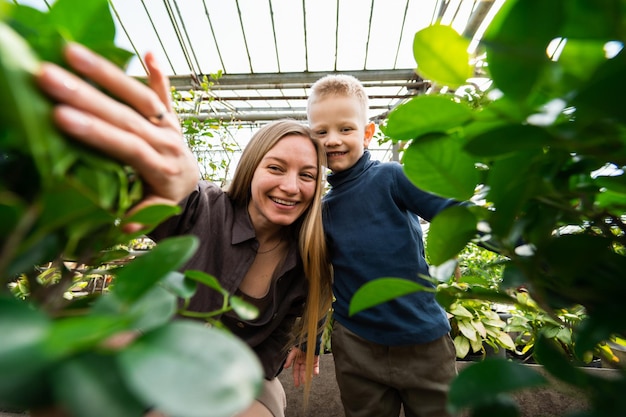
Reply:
x=262, y=239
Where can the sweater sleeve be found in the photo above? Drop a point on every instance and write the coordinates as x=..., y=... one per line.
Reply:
x=423, y=203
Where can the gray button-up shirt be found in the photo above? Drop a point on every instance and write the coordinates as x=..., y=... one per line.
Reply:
x=226, y=251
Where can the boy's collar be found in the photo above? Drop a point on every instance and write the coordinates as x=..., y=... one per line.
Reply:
x=352, y=172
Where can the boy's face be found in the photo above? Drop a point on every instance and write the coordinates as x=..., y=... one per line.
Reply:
x=339, y=123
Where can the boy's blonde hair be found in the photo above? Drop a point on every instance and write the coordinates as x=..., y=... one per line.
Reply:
x=339, y=85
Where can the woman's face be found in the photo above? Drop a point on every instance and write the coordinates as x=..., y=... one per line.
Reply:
x=284, y=182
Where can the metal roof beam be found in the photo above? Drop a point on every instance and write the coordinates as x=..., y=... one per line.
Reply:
x=280, y=80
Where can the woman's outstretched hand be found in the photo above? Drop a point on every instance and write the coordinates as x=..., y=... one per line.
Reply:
x=138, y=127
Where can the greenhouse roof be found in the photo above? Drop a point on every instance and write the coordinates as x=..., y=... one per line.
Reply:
x=270, y=51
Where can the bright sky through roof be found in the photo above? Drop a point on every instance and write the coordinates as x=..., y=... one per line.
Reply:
x=204, y=36
x=279, y=44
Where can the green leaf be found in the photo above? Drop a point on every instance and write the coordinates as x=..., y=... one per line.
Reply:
x=154, y=309
x=460, y=311
x=462, y=346
x=11, y=209
x=90, y=23
x=467, y=329
x=602, y=95
x=505, y=340
x=26, y=112
x=426, y=114
x=137, y=277
x=382, y=290
x=507, y=140
x=22, y=358
x=449, y=232
x=35, y=27
x=208, y=371
x=92, y=386
x=483, y=382
x=75, y=334
x=440, y=166
x=476, y=344
x=243, y=309
x=441, y=55
x=581, y=58
x=512, y=181
x=87, y=21
x=152, y=215
x=206, y=279
x=177, y=284
x=65, y=204
x=517, y=57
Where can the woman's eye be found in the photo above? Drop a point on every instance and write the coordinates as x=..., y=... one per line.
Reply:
x=309, y=176
x=274, y=168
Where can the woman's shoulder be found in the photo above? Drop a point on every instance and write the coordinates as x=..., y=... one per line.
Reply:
x=207, y=199
x=210, y=192
x=209, y=187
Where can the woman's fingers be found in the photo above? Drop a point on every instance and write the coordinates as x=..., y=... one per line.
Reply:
x=119, y=126
x=107, y=75
x=170, y=170
x=159, y=83
x=117, y=143
x=69, y=89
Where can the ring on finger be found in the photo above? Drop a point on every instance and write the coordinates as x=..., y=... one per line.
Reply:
x=156, y=119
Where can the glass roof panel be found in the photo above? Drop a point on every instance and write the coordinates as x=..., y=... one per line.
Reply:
x=271, y=51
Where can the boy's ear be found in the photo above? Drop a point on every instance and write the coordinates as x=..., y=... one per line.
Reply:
x=370, y=128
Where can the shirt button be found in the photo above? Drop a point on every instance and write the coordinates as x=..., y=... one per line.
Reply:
x=240, y=325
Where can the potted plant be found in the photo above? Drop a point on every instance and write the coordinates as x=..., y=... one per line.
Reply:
x=478, y=325
x=528, y=322
x=62, y=206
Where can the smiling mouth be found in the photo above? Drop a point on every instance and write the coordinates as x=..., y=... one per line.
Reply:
x=283, y=202
x=335, y=154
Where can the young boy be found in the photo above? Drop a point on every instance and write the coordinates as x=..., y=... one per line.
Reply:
x=400, y=352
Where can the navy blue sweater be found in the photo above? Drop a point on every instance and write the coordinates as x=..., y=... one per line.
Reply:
x=372, y=226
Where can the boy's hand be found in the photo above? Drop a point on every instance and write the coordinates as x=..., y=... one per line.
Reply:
x=297, y=358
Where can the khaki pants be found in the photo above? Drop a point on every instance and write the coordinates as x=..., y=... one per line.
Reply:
x=273, y=397
x=375, y=380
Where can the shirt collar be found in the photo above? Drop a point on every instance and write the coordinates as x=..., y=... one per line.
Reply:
x=242, y=226
x=351, y=173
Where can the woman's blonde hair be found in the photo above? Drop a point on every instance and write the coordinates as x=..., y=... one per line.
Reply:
x=311, y=240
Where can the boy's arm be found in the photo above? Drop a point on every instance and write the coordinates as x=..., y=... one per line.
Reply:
x=423, y=203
